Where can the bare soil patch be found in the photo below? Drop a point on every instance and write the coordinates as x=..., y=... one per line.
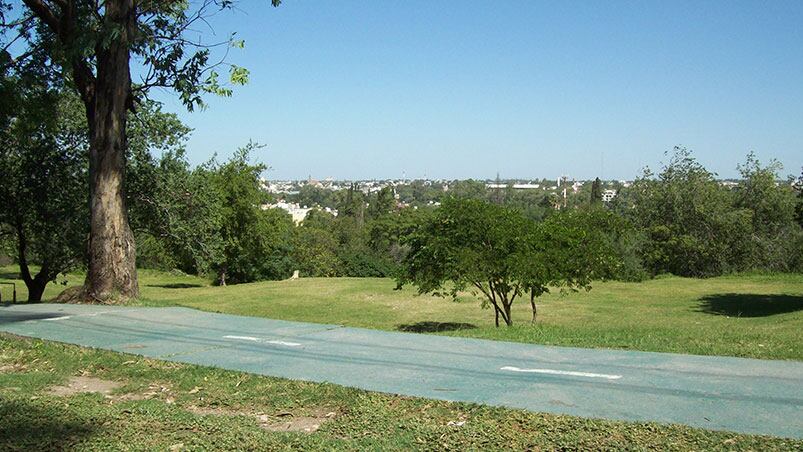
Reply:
x=9, y=368
x=77, y=385
x=279, y=422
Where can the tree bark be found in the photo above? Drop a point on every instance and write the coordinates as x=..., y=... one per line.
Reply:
x=36, y=285
x=106, y=93
x=112, y=272
x=532, y=303
x=508, y=319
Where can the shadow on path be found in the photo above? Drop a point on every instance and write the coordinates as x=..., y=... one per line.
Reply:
x=8, y=316
x=750, y=305
x=434, y=327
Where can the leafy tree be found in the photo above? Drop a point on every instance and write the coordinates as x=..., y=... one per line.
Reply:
x=94, y=44
x=315, y=251
x=691, y=225
x=495, y=251
x=468, y=189
x=44, y=181
x=568, y=251
x=382, y=203
x=352, y=204
x=255, y=242
x=799, y=205
x=596, y=191
x=44, y=160
x=175, y=212
x=772, y=208
x=309, y=195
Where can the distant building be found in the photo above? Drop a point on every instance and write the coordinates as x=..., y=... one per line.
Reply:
x=608, y=195
x=514, y=186
x=296, y=211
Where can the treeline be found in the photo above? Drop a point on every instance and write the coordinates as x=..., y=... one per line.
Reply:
x=211, y=220
x=681, y=220
x=687, y=223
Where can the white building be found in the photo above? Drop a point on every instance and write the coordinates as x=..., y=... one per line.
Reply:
x=296, y=211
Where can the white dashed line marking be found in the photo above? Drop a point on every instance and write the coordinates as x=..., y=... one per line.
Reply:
x=562, y=372
x=52, y=319
x=263, y=341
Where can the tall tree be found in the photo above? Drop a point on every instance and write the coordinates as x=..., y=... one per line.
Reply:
x=43, y=188
x=799, y=205
x=382, y=203
x=689, y=218
x=596, y=191
x=95, y=42
x=255, y=242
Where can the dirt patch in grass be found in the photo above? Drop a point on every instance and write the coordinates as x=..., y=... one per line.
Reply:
x=77, y=385
x=278, y=422
x=9, y=368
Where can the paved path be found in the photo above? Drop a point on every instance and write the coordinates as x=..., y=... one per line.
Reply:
x=743, y=395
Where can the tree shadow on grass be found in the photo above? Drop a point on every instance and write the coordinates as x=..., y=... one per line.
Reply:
x=29, y=426
x=175, y=285
x=750, y=305
x=434, y=327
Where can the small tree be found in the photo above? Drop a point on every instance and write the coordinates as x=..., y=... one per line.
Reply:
x=496, y=251
x=568, y=251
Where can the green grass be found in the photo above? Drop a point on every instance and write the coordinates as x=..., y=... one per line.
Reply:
x=163, y=406
x=756, y=315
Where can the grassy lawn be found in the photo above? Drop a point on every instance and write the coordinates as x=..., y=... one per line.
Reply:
x=758, y=316
x=156, y=405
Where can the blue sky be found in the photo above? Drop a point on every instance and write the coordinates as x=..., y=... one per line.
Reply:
x=524, y=88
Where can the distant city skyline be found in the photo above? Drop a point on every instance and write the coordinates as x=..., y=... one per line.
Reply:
x=458, y=90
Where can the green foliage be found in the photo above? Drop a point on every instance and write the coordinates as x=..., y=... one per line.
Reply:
x=596, y=191
x=255, y=243
x=494, y=250
x=176, y=207
x=799, y=203
x=695, y=226
x=772, y=208
x=381, y=204
x=315, y=251
x=692, y=228
x=43, y=213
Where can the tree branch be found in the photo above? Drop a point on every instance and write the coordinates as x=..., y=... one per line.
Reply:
x=43, y=12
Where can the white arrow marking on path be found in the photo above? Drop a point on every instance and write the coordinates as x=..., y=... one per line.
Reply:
x=562, y=372
x=264, y=341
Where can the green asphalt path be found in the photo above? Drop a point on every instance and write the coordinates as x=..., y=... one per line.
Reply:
x=718, y=393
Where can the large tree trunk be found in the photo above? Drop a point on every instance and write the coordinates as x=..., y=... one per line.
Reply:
x=36, y=285
x=36, y=288
x=112, y=272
